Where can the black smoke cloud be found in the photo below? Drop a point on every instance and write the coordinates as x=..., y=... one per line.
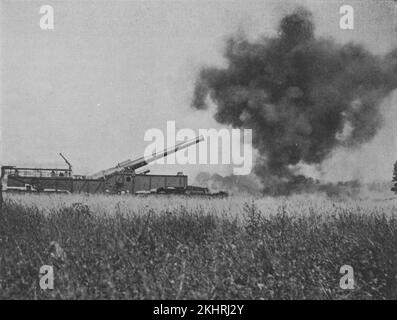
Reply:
x=302, y=96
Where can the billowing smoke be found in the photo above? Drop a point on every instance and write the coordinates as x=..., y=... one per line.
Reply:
x=302, y=96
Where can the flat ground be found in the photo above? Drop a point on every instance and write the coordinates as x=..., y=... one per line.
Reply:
x=175, y=247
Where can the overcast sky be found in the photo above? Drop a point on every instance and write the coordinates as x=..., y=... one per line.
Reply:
x=111, y=70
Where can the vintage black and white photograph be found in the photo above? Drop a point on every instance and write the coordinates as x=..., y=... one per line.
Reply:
x=198, y=150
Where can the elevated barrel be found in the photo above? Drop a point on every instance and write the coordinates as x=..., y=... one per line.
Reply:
x=143, y=161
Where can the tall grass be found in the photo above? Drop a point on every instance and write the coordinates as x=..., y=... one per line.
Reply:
x=105, y=247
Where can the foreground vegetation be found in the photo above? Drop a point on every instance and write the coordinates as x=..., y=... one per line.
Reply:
x=176, y=248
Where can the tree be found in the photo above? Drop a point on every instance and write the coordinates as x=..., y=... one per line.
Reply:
x=394, y=188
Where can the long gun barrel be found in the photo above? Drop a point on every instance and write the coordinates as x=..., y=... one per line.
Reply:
x=143, y=161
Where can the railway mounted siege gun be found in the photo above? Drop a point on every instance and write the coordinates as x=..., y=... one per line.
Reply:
x=124, y=178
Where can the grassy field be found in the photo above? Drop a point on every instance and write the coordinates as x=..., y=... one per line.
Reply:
x=160, y=247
